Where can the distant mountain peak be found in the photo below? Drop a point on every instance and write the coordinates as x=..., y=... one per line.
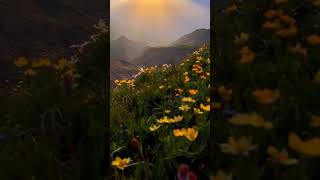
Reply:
x=199, y=30
x=122, y=38
x=124, y=48
x=196, y=38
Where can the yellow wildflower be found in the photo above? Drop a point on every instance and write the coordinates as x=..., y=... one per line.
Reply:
x=247, y=55
x=154, y=127
x=315, y=121
x=62, y=63
x=205, y=107
x=186, y=79
x=197, y=110
x=30, y=72
x=184, y=107
x=178, y=132
x=252, y=119
x=191, y=134
x=240, y=146
x=199, y=71
x=266, y=96
x=208, y=99
x=20, y=62
x=188, y=99
x=310, y=147
x=41, y=62
x=167, y=111
x=313, y=39
x=121, y=163
x=177, y=119
x=281, y=157
x=165, y=119
x=179, y=90
x=193, y=91
x=197, y=67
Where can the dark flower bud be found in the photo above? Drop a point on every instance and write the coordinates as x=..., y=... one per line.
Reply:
x=192, y=176
x=135, y=143
x=183, y=172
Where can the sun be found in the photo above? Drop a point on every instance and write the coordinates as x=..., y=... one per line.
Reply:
x=148, y=11
x=156, y=20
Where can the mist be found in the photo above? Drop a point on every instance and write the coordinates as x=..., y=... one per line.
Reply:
x=177, y=17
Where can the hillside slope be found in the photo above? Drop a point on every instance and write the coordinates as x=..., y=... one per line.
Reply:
x=36, y=28
x=123, y=48
x=176, y=51
x=164, y=55
x=120, y=69
x=196, y=38
x=163, y=114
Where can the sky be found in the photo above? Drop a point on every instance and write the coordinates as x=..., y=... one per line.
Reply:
x=158, y=22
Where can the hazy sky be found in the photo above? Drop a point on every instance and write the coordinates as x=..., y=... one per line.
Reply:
x=158, y=21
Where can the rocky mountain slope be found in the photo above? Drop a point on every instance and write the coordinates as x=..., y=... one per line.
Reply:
x=176, y=51
x=196, y=38
x=124, y=51
x=123, y=48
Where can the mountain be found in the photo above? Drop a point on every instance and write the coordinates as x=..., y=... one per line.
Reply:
x=36, y=28
x=164, y=55
x=196, y=38
x=123, y=48
x=176, y=51
x=125, y=53
x=120, y=69
x=114, y=35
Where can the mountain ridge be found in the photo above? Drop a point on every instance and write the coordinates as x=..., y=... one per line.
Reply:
x=152, y=56
x=174, y=52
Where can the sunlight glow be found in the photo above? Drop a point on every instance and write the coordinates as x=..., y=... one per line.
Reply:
x=146, y=19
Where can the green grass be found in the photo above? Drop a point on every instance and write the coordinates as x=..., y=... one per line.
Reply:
x=137, y=106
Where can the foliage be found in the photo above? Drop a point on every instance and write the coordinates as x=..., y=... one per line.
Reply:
x=160, y=120
x=267, y=59
x=52, y=121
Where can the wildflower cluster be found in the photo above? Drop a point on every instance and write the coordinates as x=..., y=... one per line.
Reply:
x=268, y=120
x=167, y=103
x=53, y=117
x=30, y=67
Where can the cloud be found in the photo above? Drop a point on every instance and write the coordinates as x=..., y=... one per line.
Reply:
x=158, y=23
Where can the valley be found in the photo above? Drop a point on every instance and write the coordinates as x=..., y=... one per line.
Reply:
x=127, y=55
